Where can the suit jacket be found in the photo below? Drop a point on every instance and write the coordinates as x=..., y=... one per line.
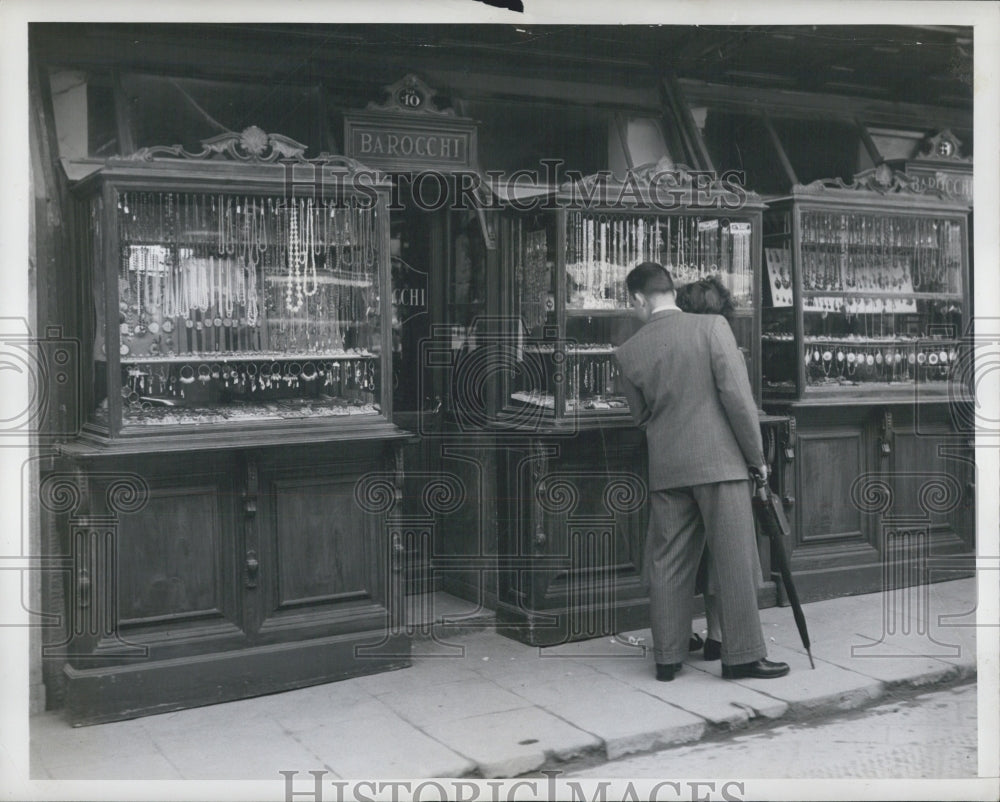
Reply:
x=687, y=386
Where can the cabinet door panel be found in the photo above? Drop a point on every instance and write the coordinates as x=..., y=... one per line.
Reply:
x=922, y=484
x=322, y=542
x=830, y=459
x=176, y=558
x=173, y=553
x=322, y=566
x=929, y=474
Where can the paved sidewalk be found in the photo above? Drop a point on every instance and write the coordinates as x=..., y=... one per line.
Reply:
x=491, y=707
x=931, y=735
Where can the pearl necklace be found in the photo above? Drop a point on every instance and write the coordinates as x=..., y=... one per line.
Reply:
x=294, y=296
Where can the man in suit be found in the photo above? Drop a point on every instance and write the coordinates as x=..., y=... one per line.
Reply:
x=687, y=387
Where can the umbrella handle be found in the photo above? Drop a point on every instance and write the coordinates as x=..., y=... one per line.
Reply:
x=760, y=483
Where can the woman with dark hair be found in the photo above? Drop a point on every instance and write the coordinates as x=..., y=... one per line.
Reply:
x=708, y=296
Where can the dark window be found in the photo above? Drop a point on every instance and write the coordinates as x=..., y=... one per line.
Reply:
x=820, y=148
x=516, y=136
x=168, y=111
x=741, y=142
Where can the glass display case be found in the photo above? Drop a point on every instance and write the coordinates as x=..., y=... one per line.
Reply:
x=567, y=305
x=866, y=289
x=233, y=310
x=219, y=296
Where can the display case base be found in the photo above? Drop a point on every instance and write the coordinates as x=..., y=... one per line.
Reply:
x=559, y=625
x=98, y=695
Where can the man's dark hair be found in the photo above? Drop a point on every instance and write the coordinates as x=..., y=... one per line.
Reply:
x=649, y=278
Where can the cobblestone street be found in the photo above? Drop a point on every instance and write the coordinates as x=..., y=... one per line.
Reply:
x=930, y=736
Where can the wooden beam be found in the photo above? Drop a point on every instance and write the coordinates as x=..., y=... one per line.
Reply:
x=622, y=130
x=685, y=119
x=123, y=116
x=787, y=103
x=54, y=301
x=679, y=142
x=189, y=51
x=869, y=143
x=786, y=163
x=480, y=85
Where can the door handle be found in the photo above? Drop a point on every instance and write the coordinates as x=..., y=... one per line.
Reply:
x=887, y=435
x=253, y=566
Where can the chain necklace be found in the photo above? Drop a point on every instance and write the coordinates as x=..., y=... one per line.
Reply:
x=316, y=245
x=252, y=312
x=347, y=240
x=203, y=286
x=367, y=238
x=229, y=303
x=310, y=252
x=243, y=232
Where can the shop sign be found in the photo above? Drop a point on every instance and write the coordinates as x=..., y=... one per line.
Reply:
x=387, y=143
x=408, y=132
x=940, y=166
x=951, y=183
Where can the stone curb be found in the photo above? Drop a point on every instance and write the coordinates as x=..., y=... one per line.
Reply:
x=826, y=706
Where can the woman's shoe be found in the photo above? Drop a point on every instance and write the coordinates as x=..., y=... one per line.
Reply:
x=665, y=671
x=695, y=642
x=713, y=649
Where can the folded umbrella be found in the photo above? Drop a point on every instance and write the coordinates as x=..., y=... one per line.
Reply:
x=771, y=519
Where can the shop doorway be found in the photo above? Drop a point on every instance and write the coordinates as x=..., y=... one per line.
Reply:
x=439, y=293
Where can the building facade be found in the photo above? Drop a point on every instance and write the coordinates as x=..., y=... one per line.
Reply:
x=343, y=301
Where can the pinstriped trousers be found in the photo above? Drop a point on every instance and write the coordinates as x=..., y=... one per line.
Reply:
x=681, y=521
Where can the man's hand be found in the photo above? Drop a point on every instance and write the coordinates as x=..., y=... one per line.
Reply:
x=762, y=471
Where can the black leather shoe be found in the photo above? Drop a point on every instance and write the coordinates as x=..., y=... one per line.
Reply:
x=713, y=649
x=695, y=642
x=761, y=669
x=665, y=671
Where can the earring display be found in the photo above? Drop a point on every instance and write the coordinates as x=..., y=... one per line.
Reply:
x=246, y=307
x=779, y=275
x=858, y=360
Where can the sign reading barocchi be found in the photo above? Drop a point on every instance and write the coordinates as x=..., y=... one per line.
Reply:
x=389, y=143
x=408, y=132
x=939, y=165
x=952, y=183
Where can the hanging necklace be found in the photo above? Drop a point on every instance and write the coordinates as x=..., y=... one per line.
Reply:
x=252, y=313
x=310, y=253
x=293, y=289
x=347, y=238
x=229, y=299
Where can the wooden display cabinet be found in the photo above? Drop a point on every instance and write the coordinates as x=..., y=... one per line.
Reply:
x=865, y=322
x=866, y=290
x=565, y=300
x=573, y=477
x=229, y=501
